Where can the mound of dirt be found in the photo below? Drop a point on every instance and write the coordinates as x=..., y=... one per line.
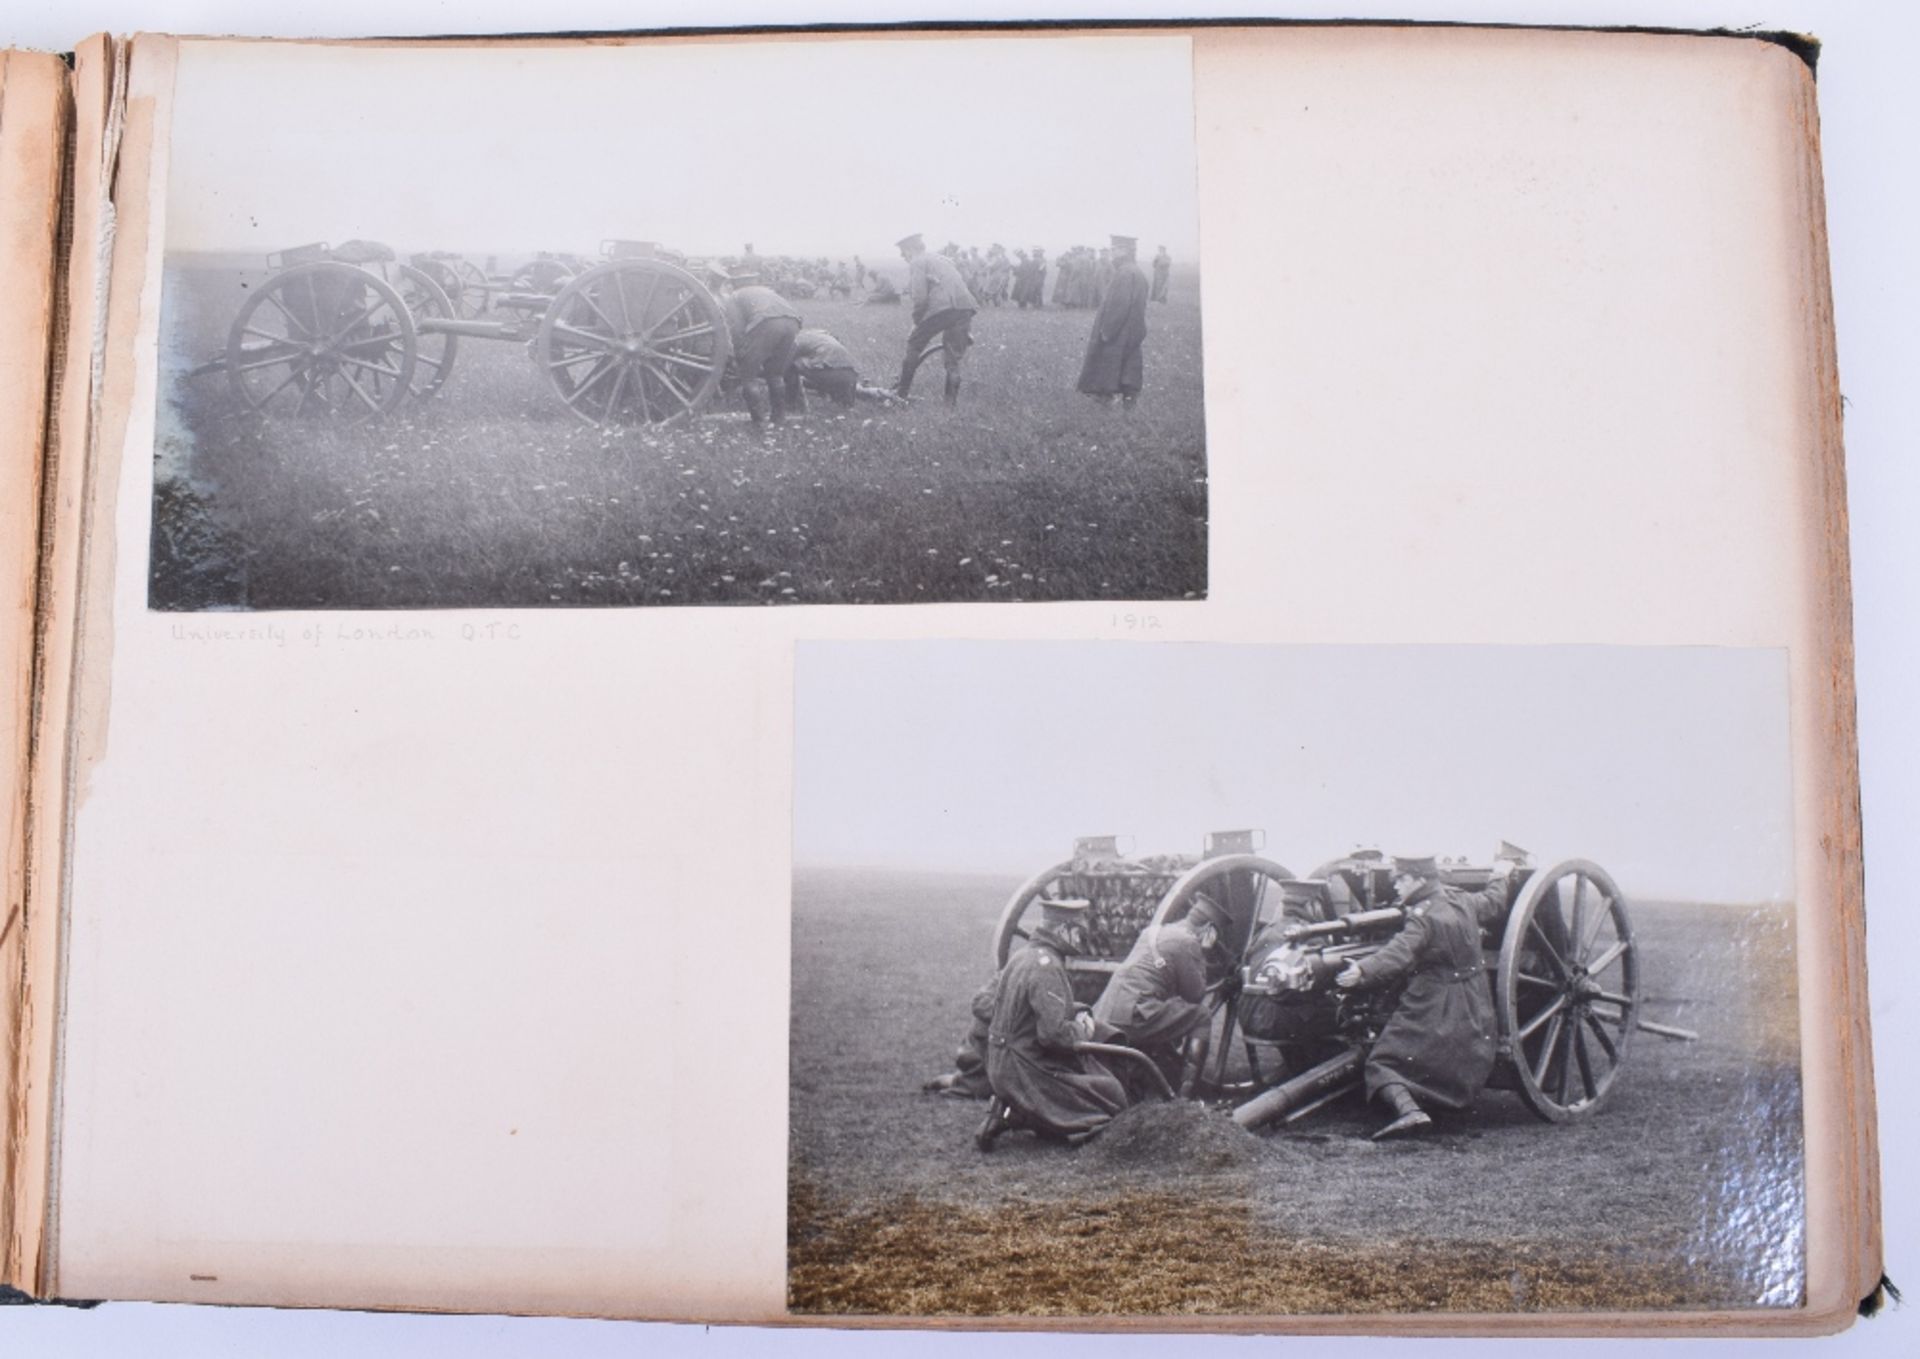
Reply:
x=1180, y=1135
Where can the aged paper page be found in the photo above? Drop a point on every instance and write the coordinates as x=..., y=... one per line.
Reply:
x=440, y=959
x=33, y=128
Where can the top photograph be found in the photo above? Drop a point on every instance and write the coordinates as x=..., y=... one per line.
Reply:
x=819, y=320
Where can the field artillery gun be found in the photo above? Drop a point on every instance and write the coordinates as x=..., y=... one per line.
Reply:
x=1282, y=1040
x=467, y=288
x=349, y=334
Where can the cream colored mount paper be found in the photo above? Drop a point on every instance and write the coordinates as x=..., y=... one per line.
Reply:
x=313, y=1046
x=34, y=126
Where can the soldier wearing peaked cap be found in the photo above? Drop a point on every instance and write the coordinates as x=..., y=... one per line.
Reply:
x=1158, y=997
x=1438, y=1048
x=1113, y=366
x=943, y=307
x=1039, y=1078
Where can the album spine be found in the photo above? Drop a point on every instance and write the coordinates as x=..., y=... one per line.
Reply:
x=36, y=127
x=48, y=283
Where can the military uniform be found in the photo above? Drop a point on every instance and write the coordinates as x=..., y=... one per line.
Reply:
x=1113, y=364
x=942, y=306
x=1158, y=996
x=763, y=326
x=969, y=1075
x=1440, y=1042
x=1032, y=1064
x=823, y=363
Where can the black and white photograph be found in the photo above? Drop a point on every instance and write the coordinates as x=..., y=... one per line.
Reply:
x=1282, y=980
x=893, y=319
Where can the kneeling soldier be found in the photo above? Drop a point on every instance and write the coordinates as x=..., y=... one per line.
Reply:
x=1158, y=997
x=1038, y=1076
x=821, y=362
x=1439, y=1045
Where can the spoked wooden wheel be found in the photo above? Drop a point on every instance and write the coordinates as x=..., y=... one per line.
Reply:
x=434, y=350
x=1247, y=887
x=634, y=341
x=1022, y=911
x=1021, y=915
x=1568, y=989
x=474, y=296
x=327, y=340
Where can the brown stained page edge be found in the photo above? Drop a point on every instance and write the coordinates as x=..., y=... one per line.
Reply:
x=14, y=932
x=1841, y=833
x=90, y=93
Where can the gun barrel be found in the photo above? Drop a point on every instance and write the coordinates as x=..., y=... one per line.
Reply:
x=1336, y=1070
x=1357, y=923
x=1667, y=1031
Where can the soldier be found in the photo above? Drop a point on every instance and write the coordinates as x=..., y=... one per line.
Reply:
x=968, y=1079
x=822, y=363
x=1063, y=277
x=1439, y=1044
x=763, y=326
x=1158, y=996
x=941, y=306
x=1303, y=902
x=999, y=270
x=1162, y=266
x=1102, y=276
x=1038, y=1076
x=1113, y=364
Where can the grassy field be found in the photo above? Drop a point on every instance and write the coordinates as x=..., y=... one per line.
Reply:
x=492, y=494
x=1683, y=1192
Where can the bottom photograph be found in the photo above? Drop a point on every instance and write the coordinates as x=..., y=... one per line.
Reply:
x=1191, y=979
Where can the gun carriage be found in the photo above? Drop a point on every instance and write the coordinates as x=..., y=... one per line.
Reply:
x=350, y=333
x=1282, y=1040
x=466, y=287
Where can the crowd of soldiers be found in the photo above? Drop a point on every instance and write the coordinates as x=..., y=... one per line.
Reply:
x=777, y=359
x=1081, y=275
x=1027, y=1051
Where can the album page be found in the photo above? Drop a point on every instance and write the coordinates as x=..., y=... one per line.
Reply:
x=600, y=644
x=34, y=124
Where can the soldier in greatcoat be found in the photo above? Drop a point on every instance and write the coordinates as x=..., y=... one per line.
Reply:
x=1438, y=1048
x=1159, y=994
x=1039, y=1078
x=1113, y=365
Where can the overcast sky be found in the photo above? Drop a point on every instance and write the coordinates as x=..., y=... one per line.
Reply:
x=1669, y=766
x=832, y=147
